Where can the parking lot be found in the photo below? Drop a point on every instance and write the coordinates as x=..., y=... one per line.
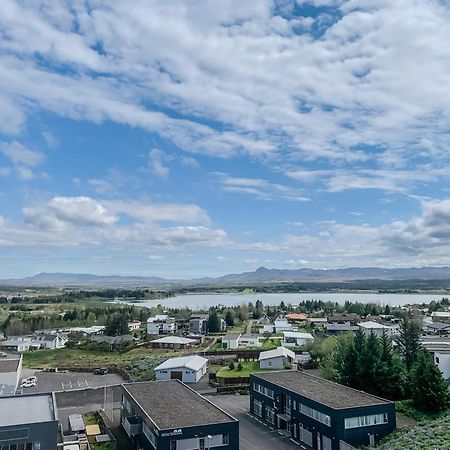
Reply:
x=50, y=382
x=253, y=435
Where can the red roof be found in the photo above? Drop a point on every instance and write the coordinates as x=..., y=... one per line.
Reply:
x=296, y=316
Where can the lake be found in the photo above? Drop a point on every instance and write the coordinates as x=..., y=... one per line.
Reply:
x=204, y=301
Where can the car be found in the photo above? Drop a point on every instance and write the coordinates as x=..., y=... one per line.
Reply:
x=32, y=378
x=101, y=371
x=28, y=384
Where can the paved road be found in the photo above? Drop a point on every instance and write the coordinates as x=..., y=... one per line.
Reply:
x=252, y=434
x=50, y=382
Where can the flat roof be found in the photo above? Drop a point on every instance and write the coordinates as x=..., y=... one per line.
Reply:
x=24, y=409
x=172, y=404
x=9, y=365
x=326, y=392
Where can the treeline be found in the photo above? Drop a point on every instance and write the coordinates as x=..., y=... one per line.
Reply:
x=370, y=363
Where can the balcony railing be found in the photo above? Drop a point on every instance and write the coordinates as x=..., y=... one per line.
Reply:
x=132, y=425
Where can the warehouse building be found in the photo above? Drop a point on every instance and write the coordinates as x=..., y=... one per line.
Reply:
x=28, y=422
x=10, y=371
x=168, y=415
x=188, y=369
x=319, y=413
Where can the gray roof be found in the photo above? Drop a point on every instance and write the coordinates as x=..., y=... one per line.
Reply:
x=231, y=336
x=176, y=340
x=194, y=362
x=9, y=365
x=322, y=391
x=25, y=409
x=278, y=352
x=438, y=325
x=172, y=404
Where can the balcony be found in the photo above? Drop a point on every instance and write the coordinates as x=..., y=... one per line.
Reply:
x=132, y=425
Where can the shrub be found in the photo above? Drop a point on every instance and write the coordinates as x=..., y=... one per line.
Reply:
x=231, y=366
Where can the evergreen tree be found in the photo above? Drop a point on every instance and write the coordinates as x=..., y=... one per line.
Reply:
x=369, y=365
x=229, y=318
x=408, y=342
x=214, y=324
x=428, y=387
x=390, y=382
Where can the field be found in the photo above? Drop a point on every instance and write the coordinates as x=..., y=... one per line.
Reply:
x=247, y=369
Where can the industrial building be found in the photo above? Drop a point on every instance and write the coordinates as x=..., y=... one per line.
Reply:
x=188, y=369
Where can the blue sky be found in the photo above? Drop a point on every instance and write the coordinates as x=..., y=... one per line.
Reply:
x=188, y=139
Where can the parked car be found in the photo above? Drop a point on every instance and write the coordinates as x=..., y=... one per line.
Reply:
x=32, y=378
x=28, y=384
x=101, y=371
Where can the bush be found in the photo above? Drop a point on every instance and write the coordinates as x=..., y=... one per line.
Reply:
x=231, y=366
x=239, y=367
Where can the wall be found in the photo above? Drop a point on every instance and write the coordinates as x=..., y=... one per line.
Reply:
x=45, y=432
x=189, y=375
x=443, y=364
x=276, y=363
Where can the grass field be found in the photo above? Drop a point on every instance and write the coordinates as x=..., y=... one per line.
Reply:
x=247, y=369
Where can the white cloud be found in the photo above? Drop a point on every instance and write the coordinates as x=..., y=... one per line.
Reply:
x=156, y=160
x=19, y=154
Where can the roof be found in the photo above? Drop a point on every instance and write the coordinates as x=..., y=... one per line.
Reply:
x=295, y=316
x=25, y=409
x=92, y=430
x=172, y=404
x=189, y=362
x=340, y=327
x=438, y=325
x=322, y=391
x=14, y=342
x=370, y=325
x=440, y=314
x=174, y=340
x=278, y=352
x=50, y=337
x=297, y=335
x=231, y=336
x=158, y=318
x=9, y=365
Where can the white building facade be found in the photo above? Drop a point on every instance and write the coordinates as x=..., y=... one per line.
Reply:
x=188, y=369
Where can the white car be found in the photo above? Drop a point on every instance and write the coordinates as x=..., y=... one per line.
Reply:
x=28, y=384
x=33, y=379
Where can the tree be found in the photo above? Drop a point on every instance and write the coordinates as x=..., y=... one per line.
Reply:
x=391, y=375
x=214, y=324
x=229, y=318
x=117, y=325
x=369, y=365
x=428, y=387
x=408, y=342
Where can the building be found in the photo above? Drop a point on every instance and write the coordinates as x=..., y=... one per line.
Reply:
x=199, y=338
x=439, y=347
x=10, y=372
x=281, y=324
x=441, y=315
x=161, y=324
x=296, y=318
x=134, y=325
x=168, y=415
x=376, y=328
x=231, y=340
x=276, y=359
x=50, y=340
x=265, y=320
x=188, y=369
x=17, y=344
x=294, y=338
x=249, y=340
x=114, y=342
x=334, y=328
x=87, y=331
x=349, y=319
x=439, y=328
x=28, y=422
x=198, y=325
x=173, y=342
x=319, y=413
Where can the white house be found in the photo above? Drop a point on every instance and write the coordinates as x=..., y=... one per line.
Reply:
x=294, y=338
x=86, y=331
x=16, y=344
x=439, y=347
x=265, y=320
x=161, y=323
x=247, y=340
x=231, y=340
x=441, y=314
x=377, y=328
x=169, y=327
x=188, y=369
x=50, y=340
x=276, y=359
x=10, y=371
x=281, y=324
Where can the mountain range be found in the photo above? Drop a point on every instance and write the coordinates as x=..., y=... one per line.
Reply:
x=261, y=275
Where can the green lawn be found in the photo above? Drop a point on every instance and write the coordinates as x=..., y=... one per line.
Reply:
x=247, y=369
x=271, y=343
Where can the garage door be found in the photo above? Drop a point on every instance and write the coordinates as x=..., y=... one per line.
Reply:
x=176, y=375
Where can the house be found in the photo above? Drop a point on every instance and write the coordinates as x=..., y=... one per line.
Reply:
x=441, y=315
x=198, y=325
x=318, y=413
x=281, y=324
x=439, y=347
x=173, y=342
x=334, y=328
x=199, y=338
x=376, y=328
x=16, y=344
x=50, y=340
x=294, y=338
x=134, y=325
x=439, y=328
x=249, y=340
x=171, y=415
x=265, y=320
x=276, y=359
x=87, y=331
x=28, y=422
x=10, y=372
x=295, y=318
x=114, y=342
x=161, y=324
x=318, y=321
x=348, y=319
x=188, y=369
x=231, y=340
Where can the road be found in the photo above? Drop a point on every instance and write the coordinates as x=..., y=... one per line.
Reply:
x=253, y=435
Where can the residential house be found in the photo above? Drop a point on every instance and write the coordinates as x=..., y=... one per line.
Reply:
x=281, y=324
x=169, y=415
x=28, y=422
x=16, y=344
x=10, y=372
x=378, y=328
x=265, y=320
x=439, y=328
x=161, y=324
x=198, y=324
x=296, y=319
x=188, y=369
x=114, y=342
x=249, y=340
x=51, y=341
x=439, y=347
x=199, y=338
x=294, y=338
x=279, y=358
x=334, y=328
x=318, y=413
x=348, y=319
x=231, y=340
x=173, y=342
x=440, y=315
x=86, y=331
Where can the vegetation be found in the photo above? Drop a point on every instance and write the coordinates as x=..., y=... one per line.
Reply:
x=242, y=370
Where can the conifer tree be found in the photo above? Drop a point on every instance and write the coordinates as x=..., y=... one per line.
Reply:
x=408, y=342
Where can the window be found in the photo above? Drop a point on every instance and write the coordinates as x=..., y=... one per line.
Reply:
x=437, y=359
x=225, y=439
x=366, y=421
x=270, y=415
x=257, y=408
x=173, y=445
x=314, y=414
x=294, y=405
x=263, y=390
x=148, y=433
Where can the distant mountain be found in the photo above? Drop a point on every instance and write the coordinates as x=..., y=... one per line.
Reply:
x=261, y=275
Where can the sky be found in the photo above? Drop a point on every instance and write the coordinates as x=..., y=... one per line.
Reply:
x=199, y=138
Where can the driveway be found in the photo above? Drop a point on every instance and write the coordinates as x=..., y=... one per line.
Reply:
x=253, y=435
